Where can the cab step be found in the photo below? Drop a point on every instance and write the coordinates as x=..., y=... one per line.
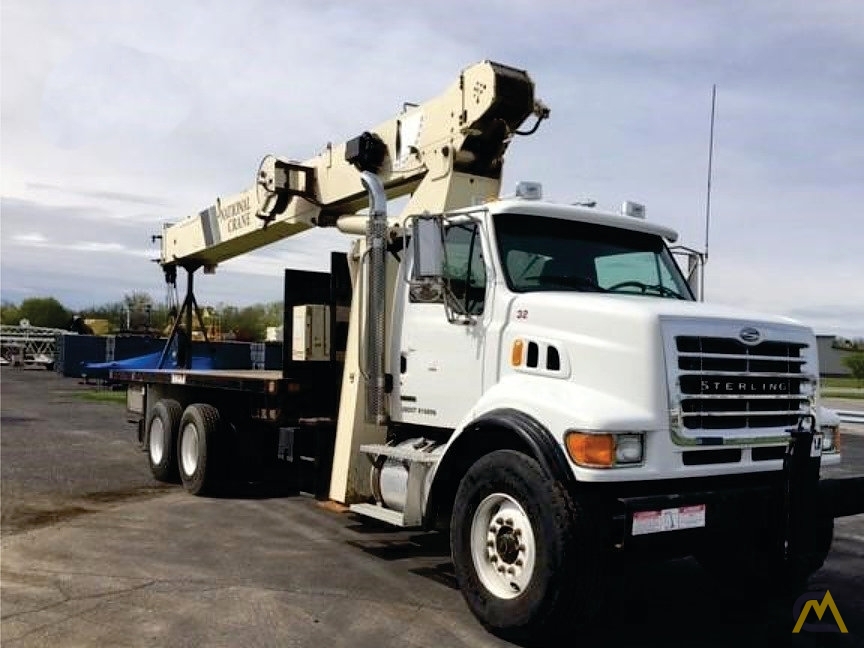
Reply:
x=404, y=454
x=380, y=513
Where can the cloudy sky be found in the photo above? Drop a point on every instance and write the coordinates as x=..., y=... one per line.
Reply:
x=118, y=116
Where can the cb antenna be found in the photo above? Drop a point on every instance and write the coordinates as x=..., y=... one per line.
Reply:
x=708, y=191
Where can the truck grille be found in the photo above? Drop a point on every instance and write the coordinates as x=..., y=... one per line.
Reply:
x=726, y=384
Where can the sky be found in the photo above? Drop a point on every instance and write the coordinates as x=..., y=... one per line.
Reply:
x=118, y=116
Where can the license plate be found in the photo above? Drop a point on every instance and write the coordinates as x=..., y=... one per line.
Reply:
x=671, y=519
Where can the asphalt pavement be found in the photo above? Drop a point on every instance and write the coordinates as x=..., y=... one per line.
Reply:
x=96, y=553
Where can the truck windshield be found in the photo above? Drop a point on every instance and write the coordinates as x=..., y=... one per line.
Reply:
x=541, y=254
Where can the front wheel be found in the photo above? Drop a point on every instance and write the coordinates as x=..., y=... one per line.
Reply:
x=525, y=554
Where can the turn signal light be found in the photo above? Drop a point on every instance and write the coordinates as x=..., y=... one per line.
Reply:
x=516, y=353
x=591, y=450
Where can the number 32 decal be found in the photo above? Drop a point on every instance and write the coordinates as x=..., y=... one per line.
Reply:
x=521, y=313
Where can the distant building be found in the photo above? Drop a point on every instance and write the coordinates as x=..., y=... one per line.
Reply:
x=831, y=357
x=274, y=334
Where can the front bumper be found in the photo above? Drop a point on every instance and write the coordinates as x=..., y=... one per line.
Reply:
x=678, y=515
x=730, y=507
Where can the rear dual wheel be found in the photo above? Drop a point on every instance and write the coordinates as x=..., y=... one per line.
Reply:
x=160, y=441
x=199, y=455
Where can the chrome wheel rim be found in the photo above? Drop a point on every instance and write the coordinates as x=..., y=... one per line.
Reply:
x=189, y=450
x=156, y=441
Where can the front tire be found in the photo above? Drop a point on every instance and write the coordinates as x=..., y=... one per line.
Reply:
x=525, y=554
x=160, y=440
x=198, y=455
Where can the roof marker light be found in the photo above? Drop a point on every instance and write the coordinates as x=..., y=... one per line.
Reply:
x=529, y=190
x=634, y=209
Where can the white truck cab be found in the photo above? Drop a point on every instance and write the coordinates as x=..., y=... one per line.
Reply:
x=582, y=320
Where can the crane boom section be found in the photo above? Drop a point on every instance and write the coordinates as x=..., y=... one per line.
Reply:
x=444, y=152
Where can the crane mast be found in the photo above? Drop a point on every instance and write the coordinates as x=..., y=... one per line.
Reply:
x=447, y=152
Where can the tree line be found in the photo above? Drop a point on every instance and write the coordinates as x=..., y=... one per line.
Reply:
x=138, y=313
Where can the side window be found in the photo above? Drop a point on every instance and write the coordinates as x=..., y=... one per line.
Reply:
x=464, y=268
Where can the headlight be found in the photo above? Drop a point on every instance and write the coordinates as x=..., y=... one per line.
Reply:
x=628, y=448
x=604, y=450
x=830, y=438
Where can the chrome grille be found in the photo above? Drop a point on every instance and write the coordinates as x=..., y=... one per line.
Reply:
x=726, y=384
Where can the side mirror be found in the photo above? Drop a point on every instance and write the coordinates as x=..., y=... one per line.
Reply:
x=428, y=241
x=695, y=266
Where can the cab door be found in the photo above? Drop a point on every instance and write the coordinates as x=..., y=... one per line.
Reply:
x=439, y=345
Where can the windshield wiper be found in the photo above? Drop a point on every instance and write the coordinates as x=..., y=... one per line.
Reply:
x=660, y=289
x=568, y=280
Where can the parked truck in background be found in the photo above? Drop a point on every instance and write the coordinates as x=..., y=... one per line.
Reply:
x=536, y=379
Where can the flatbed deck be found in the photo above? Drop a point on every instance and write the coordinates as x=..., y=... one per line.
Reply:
x=253, y=380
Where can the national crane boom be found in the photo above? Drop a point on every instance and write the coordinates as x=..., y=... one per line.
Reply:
x=447, y=152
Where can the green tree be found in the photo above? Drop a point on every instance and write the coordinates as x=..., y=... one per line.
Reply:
x=855, y=363
x=9, y=313
x=139, y=310
x=136, y=309
x=250, y=323
x=44, y=311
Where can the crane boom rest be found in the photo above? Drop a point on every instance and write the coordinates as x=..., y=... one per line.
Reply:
x=446, y=152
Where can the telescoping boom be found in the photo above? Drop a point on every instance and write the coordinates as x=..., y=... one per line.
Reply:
x=447, y=152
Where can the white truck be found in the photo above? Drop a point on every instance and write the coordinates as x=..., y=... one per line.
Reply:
x=538, y=379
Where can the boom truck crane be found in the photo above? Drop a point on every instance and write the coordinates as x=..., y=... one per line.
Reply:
x=536, y=378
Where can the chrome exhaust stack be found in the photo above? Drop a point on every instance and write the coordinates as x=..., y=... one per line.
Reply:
x=376, y=281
